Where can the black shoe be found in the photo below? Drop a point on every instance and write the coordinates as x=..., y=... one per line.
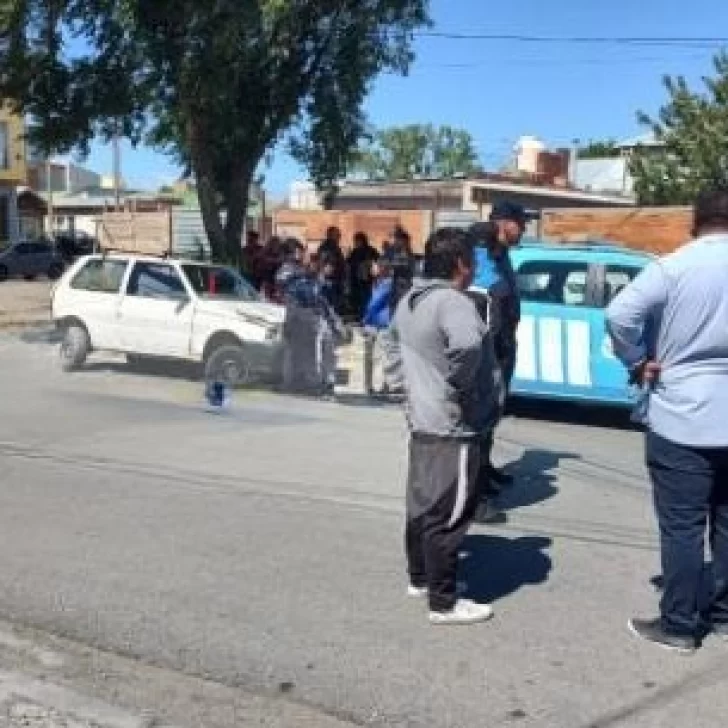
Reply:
x=490, y=515
x=500, y=477
x=652, y=630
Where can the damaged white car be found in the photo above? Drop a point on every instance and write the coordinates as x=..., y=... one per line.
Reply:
x=167, y=309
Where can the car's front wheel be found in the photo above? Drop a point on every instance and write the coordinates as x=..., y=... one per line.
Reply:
x=228, y=364
x=75, y=347
x=3, y=273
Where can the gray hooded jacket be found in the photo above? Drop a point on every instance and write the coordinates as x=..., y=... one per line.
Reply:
x=443, y=356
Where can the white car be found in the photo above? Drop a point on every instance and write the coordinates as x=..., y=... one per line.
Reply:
x=168, y=309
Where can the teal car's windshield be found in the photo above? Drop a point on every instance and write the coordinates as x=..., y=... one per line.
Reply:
x=212, y=282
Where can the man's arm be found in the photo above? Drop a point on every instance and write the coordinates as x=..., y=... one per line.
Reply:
x=464, y=331
x=630, y=312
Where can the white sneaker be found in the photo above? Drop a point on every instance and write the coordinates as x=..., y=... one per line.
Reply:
x=464, y=612
x=421, y=592
x=417, y=592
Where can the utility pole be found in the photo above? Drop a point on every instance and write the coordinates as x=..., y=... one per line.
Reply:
x=117, y=170
x=49, y=192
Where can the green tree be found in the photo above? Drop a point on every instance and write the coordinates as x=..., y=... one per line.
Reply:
x=417, y=151
x=692, y=135
x=216, y=84
x=599, y=150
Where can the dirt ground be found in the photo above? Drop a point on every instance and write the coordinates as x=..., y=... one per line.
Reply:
x=24, y=303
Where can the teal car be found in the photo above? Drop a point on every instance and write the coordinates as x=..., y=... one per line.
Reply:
x=564, y=352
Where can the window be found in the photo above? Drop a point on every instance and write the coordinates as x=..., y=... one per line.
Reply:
x=4, y=145
x=100, y=276
x=211, y=282
x=554, y=282
x=4, y=217
x=24, y=249
x=152, y=280
x=617, y=278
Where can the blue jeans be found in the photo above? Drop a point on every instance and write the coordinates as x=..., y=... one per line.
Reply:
x=691, y=492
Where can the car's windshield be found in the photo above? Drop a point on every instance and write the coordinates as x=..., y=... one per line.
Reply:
x=217, y=282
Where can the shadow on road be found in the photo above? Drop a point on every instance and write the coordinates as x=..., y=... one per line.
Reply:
x=148, y=368
x=586, y=415
x=535, y=473
x=495, y=567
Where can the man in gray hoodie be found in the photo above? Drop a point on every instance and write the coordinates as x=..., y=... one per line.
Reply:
x=451, y=399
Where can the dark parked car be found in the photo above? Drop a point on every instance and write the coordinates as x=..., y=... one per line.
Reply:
x=30, y=260
x=72, y=245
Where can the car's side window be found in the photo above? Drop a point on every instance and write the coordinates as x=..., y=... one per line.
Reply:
x=156, y=280
x=24, y=249
x=100, y=276
x=617, y=278
x=554, y=282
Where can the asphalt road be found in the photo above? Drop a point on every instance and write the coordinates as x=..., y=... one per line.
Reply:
x=260, y=550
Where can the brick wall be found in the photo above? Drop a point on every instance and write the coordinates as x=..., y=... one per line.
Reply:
x=310, y=226
x=655, y=229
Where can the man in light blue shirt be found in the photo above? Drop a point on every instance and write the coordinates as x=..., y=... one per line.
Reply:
x=670, y=328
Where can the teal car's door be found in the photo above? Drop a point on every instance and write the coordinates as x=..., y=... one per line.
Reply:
x=561, y=326
x=610, y=375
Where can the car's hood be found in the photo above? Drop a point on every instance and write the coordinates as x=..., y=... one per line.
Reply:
x=264, y=314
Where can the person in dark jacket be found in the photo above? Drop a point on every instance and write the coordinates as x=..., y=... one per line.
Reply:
x=401, y=259
x=331, y=259
x=495, y=290
x=360, y=265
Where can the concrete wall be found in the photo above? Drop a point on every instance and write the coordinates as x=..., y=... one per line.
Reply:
x=655, y=229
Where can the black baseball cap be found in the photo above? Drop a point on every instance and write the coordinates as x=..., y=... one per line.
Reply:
x=507, y=210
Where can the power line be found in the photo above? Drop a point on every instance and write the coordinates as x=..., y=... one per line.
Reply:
x=666, y=41
x=559, y=62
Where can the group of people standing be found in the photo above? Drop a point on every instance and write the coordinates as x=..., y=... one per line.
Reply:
x=323, y=288
x=454, y=337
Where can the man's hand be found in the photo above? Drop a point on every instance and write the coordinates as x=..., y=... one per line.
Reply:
x=646, y=374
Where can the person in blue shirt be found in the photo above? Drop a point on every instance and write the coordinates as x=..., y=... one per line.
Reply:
x=670, y=329
x=495, y=293
x=378, y=312
x=376, y=322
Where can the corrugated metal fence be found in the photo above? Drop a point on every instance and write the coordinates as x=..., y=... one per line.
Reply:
x=189, y=239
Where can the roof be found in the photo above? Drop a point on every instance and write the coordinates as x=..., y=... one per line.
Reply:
x=644, y=140
x=146, y=258
x=553, y=192
x=491, y=182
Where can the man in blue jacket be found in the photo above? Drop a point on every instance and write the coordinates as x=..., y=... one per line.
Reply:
x=495, y=292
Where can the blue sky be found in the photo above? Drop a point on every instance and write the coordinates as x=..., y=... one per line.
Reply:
x=501, y=90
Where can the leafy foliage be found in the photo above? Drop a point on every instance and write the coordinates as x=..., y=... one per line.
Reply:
x=415, y=152
x=692, y=129
x=600, y=150
x=216, y=84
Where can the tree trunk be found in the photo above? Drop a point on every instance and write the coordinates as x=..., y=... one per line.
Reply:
x=211, y=217
x=206, y=192
x=236, y=204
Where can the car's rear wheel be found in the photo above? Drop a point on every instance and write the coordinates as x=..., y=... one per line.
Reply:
x=55, y=271
x=75, y=347
x=3, y=273
x=228, y=364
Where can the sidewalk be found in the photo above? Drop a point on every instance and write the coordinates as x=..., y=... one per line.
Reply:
x=24, y=303
x=51, y=682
